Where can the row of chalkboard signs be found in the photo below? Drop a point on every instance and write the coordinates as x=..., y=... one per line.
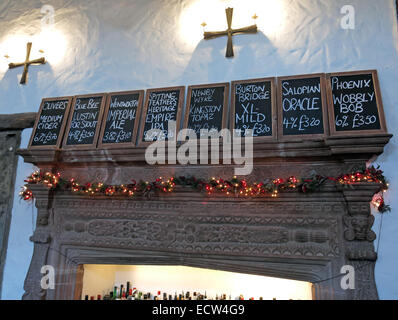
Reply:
x=285, y=108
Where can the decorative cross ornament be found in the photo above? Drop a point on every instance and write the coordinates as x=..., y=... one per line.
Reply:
x=27, y=63
x=230, y=32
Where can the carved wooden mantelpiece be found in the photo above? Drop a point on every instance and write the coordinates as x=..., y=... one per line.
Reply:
x=305, y=237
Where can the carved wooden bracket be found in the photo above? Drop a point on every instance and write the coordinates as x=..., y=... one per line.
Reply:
x=359, y=228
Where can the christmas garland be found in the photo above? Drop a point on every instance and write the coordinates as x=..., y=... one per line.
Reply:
x=234, y=186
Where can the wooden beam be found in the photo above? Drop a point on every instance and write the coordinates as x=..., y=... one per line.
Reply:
x=17, y=121
x=9, y=143
x=396, y=7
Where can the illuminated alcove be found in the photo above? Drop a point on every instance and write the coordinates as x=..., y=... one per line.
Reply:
x=101, y=279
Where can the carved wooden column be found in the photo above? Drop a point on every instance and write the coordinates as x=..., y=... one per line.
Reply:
x=42, y=242
x=359, y=237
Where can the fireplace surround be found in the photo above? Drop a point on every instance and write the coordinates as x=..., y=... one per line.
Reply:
x=297, y=236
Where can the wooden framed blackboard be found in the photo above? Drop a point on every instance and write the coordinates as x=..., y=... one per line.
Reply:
x=50, y=123
x=161, y=106
x=84, y=121
x=253, y=106
x=121, y=119
x=355, y=105
x=302, y=110
x=207, y=107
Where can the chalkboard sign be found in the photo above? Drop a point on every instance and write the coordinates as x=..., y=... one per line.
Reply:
x=302, y=107
x=355, y=103
x=161, y=106
x=207, y=107
x=253, y=107
x=84, y=121
x=121, y=119
x=50, y=123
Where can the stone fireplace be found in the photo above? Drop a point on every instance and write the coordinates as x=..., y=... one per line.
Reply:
x=307, y=237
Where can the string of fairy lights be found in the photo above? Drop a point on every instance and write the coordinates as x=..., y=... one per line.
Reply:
x=233, y=187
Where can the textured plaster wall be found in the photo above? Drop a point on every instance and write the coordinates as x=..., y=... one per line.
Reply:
x=120, y=45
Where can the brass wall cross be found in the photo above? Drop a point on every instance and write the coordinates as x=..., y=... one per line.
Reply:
x=230, y=32
x=27, y=63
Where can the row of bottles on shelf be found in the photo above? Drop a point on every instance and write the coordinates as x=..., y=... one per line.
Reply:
x=130, y=293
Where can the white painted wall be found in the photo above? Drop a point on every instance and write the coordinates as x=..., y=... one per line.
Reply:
x=103, y=46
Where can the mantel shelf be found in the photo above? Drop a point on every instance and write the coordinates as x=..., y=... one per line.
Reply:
x=348, y=147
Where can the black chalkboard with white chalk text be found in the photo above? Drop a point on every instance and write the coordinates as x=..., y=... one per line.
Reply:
x=302, y=107
x=50, y=123
x=121, y=119
x=84, y=121
x=355, y=105
x=161, y=107
x=253, y=106
x=207, y=107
